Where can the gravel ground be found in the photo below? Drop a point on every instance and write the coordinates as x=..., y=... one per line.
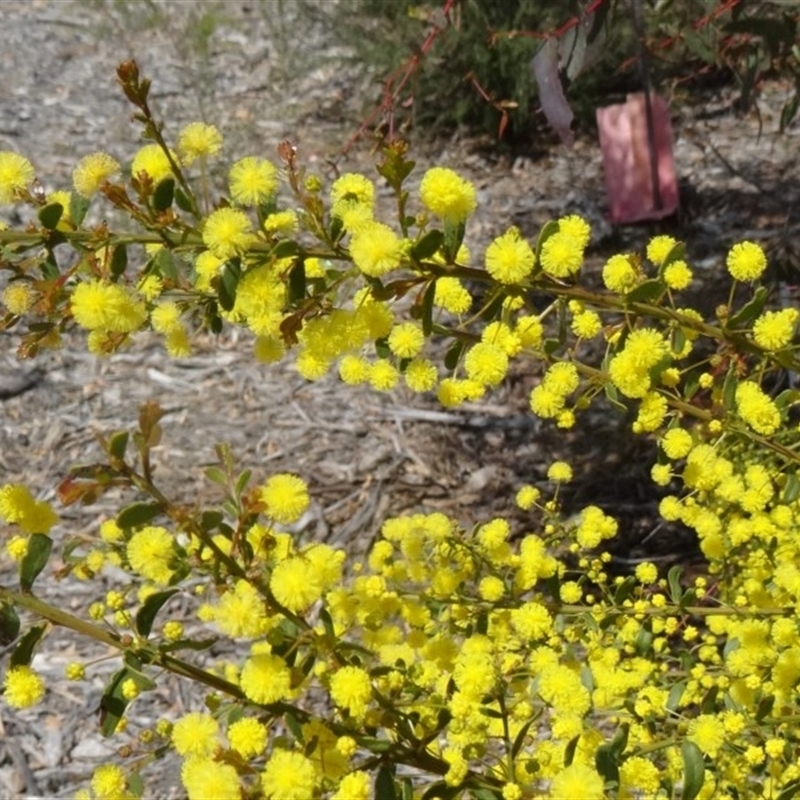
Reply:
x=264, y=71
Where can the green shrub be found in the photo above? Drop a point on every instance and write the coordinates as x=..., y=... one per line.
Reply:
x=485, y=662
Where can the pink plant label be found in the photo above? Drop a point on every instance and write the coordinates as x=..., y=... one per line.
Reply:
x=626, y=160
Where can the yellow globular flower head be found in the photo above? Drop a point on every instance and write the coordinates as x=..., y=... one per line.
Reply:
x=447, y=194
x=509, y=258
x=774, y=330
x=16, y=173
x=241, y=613
x=561, y=255
x=560, y=471
x=420, y=375
x=106, y=307
x=252, y=181
x=659, y=247
x=354, y=786
x=150, y=552
x=451, y=295
x=629, y=369
x=22, y=687
x=227, y=232
x=166, y=317
x=204, y=778
x=207, y=266
x=296, y=584
x=501, y=335
x=196, y=734
x=530, y=331
x=152, y=160
x=376, y=249
x=248, y=737
x=289, y=776
x=354, y=370
x=746, y=261
x=640, y=775
x=676, y=443
x=198, y=140
x=269, y=349
x=406, y=340
x=527, y=496
x=19, y=507
x=18, y=297
x=383, y=376
x=486, y=363
x=350, y=191
x=652, y=411
x=578, y=781
x=108, y=782
x=562, y=378
x=586, y=324
x=282, y=223
x=286, y=497
x=678, y=275
x=756, y=408
x=92, y=172
x=707, y=731
x=577, y=228
x=619, y=274
x=265, y=678
x=351, y=689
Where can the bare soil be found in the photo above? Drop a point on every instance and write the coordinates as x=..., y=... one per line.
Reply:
x=265, y=73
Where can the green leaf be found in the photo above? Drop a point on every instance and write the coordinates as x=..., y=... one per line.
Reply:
x=164, y=194
x=119, y=261
x=9, y=624
x=693, y=770
x=385, y=788
x=647, y=291
x=297, y=283
x=569, y=750
x=453, y=355
x=23, y=652
x=765, y=707
x=228, y=282
x=548, y=229
x=789, y=111
x=699, y=47
x=182, y=200
x=146, y=615
x=427, y=308
x=112, y=703
x=750, y=310
x=519, y=739
x=674, y=582
x=787, y=398
x=135, y=784
x=293, y=724
x=624, y=590
x=427, y=246
x=164, y=264
x=453, y=236
x=285, y=249
x=137, y=514
x=50, y=215
x=78, y=206
x=118, y=444
x=606, y=764
x=613, y=397
x=729, y=389
x=35, y=560
x=791, y=491
x=789, y=791
x=675, y=695
x=678, y=253
x=242, y=481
